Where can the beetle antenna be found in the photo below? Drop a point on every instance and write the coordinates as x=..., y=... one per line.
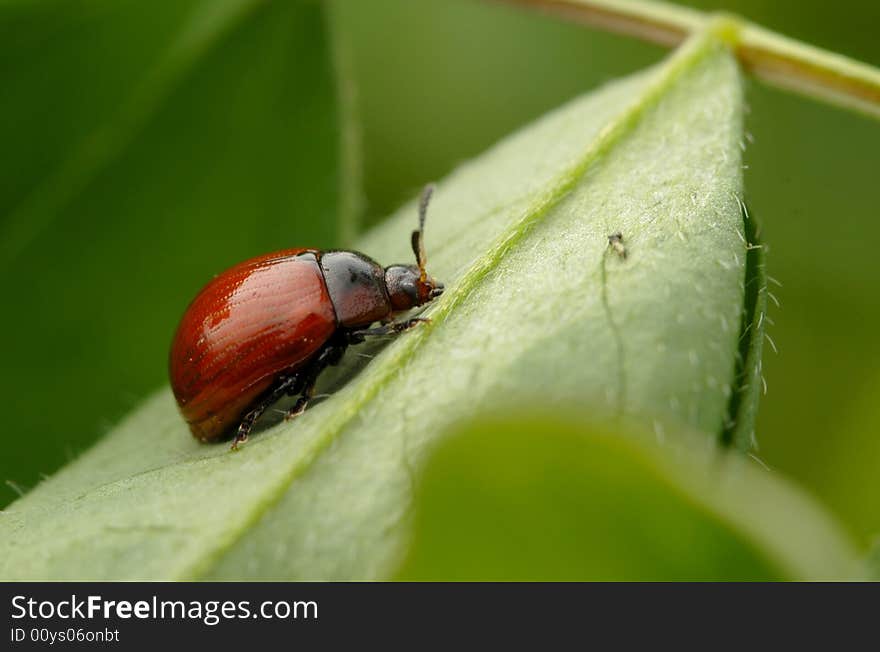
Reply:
x=418, y=237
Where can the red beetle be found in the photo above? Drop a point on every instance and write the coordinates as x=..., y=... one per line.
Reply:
x=267, y=327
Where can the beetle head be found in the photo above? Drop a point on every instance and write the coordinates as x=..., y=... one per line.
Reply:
x=407, y=289
x=409, y=285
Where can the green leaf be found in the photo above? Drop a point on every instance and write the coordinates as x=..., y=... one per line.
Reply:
x=541, y=498
x=847, y=478
x=872, y=563
x=145, y=147
x=538, y=310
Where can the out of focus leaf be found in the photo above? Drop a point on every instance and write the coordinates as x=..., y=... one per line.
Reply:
x=527, y=498
x=873, y=563
x=538, y=310
x=146, y=146
x=848, y=477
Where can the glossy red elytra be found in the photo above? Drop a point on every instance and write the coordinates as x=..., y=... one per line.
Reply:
x=267, y=327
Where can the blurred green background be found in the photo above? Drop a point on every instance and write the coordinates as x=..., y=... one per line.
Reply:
x=148, y=145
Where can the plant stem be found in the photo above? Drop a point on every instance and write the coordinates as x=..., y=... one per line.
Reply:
x=771, y=57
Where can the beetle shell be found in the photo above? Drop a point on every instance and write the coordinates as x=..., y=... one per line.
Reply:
x=248, y=326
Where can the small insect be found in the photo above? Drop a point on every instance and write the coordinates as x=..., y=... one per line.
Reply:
x=267, y=327
x=615, y=241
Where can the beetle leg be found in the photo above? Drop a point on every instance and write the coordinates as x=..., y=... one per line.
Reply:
x=284, y=386
x=331, y=355
x=302, y=402
x=394, y=328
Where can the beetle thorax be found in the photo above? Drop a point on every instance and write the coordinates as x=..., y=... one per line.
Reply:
x=356, y=285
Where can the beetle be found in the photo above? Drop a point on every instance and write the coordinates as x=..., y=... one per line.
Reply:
x=267, y=327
